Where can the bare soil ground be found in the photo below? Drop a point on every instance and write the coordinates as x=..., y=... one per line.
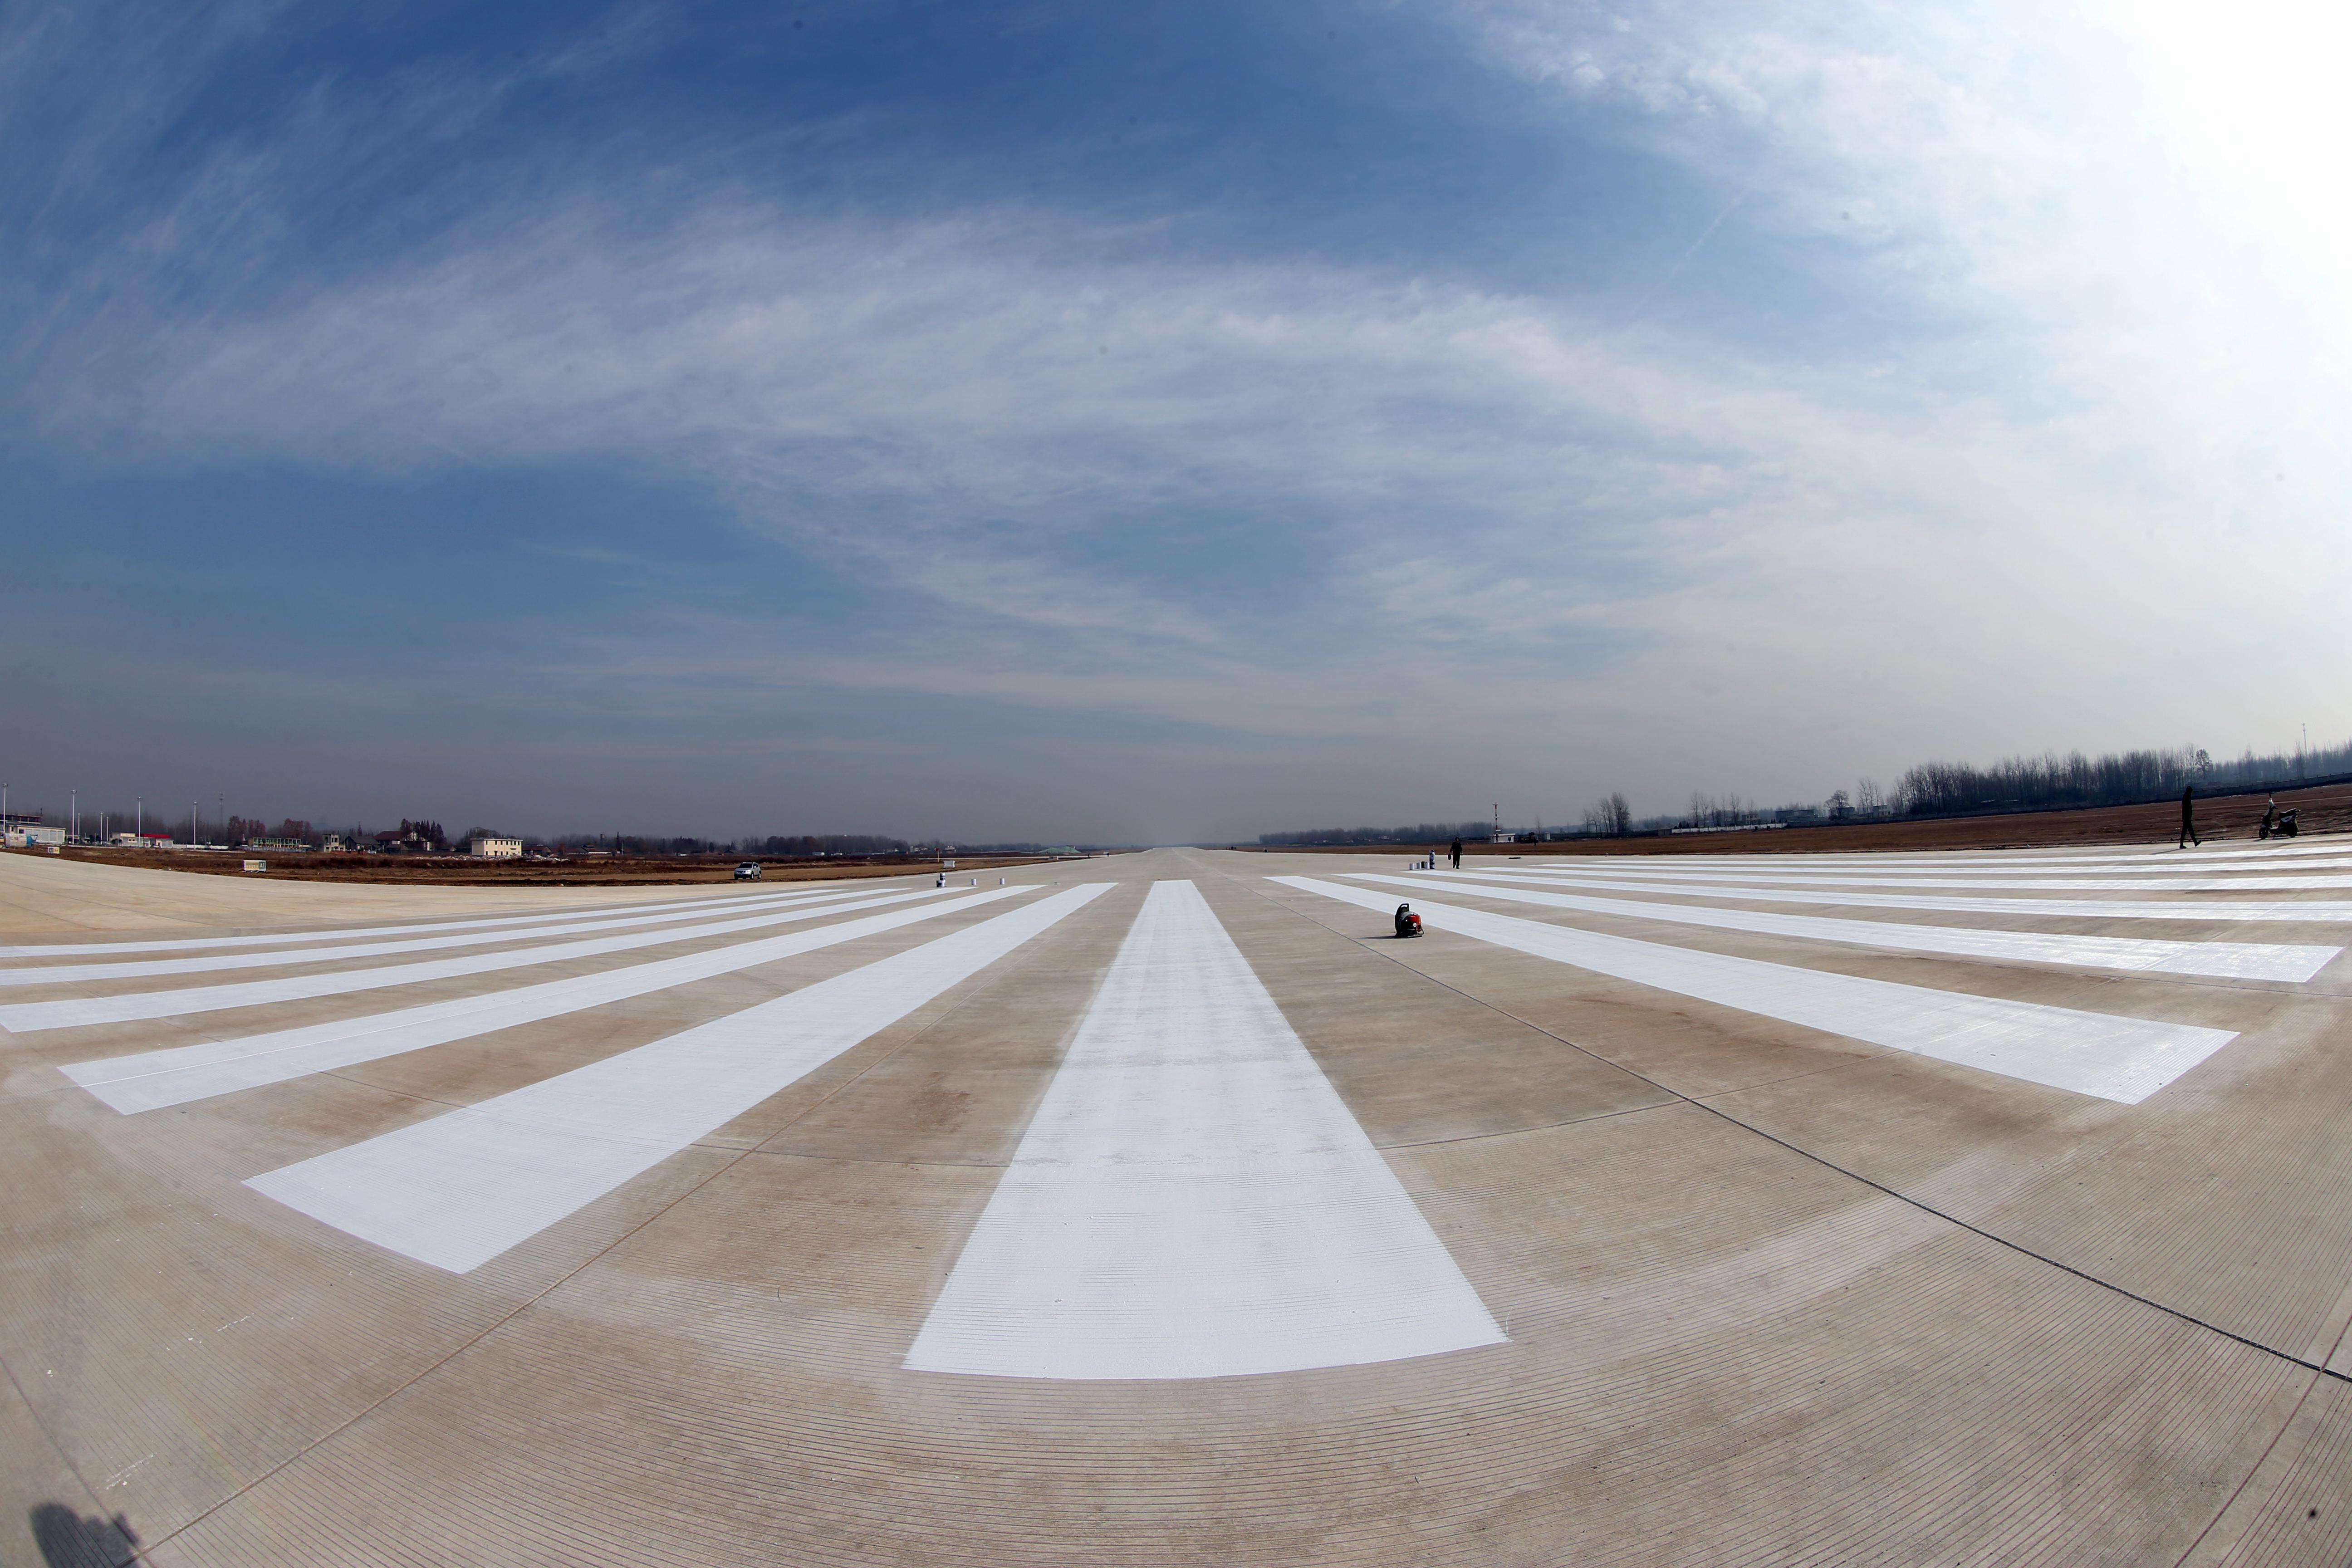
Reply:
x=460, y=870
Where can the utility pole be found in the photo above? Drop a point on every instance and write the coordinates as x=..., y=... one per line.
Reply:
x=1499, y=822
x=73, y=813
x=141, y=826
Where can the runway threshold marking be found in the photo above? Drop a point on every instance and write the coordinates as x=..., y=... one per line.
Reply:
x=186, y=943
x=79, y=1012
x=2325, y=911
x=1193, y=1198
x=2099, y=1054
x=1990, y=859
x=2292, y=961
x=147, y=968
x=461, y=1188
x=150, y=1080
x=2122, y=884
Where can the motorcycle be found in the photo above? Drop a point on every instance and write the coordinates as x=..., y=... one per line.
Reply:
x=2276, y=823
x=1407, y=923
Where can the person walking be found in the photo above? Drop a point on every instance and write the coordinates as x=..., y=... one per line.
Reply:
x=1456, y=853
x=2188, y=817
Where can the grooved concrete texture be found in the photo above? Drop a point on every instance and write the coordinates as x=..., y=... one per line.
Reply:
x=1772, y=1295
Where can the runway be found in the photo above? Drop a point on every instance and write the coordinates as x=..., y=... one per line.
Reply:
x=1973, y=1208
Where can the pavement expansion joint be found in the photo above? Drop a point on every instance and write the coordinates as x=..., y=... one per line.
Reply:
x=1180, y=1195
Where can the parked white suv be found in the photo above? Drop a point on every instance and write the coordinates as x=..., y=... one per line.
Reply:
x=749, y=871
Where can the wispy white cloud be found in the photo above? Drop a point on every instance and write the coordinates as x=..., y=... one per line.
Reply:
x=999, y=414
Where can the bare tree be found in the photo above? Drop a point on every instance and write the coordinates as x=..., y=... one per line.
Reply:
x=1611, y=816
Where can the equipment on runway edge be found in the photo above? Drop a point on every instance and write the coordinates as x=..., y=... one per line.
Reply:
x=1407, y=923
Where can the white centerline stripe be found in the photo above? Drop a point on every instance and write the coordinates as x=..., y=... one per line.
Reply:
x=2235, y=960
x=1192, y=1199
x=147, y=968
x=2123, y=1060
x=151, y=1079
x=79, y=1012
x=457, y=1191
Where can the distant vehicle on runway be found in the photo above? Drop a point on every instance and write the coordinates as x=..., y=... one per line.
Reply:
x=749, y=871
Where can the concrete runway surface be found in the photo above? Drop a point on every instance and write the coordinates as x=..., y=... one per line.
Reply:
x=1966, y=1208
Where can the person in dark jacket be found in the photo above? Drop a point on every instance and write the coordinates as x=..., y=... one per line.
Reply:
x=2188, y=817
x=1456, y=853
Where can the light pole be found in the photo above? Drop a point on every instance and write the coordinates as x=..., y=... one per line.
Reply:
x=192, y=824
x=140, y=827
x=73, y=813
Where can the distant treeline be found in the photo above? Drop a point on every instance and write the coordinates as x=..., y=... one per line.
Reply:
x=1931, y=789
x=811, y=845
x=1421, y=832
x=2115, y=779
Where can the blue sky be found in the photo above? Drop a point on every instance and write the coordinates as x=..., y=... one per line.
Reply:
x=1155, y=423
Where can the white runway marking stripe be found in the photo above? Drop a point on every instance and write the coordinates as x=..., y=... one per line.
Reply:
x=1997, y=879
x=148, y=968
x=2229, y=875
x=457, y=1191
x=2330, y=911
x=2235, y=960
x=55, y=950
x=78, y=1012
x=2117, y=1058
x=150, y=1080
x=2287, y=854
x=1192, y=1199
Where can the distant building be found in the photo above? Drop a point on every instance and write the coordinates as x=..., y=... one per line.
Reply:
x=26, y=836
x=496, y=848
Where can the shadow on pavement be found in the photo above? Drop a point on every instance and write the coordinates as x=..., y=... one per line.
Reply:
x=67, y=1540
